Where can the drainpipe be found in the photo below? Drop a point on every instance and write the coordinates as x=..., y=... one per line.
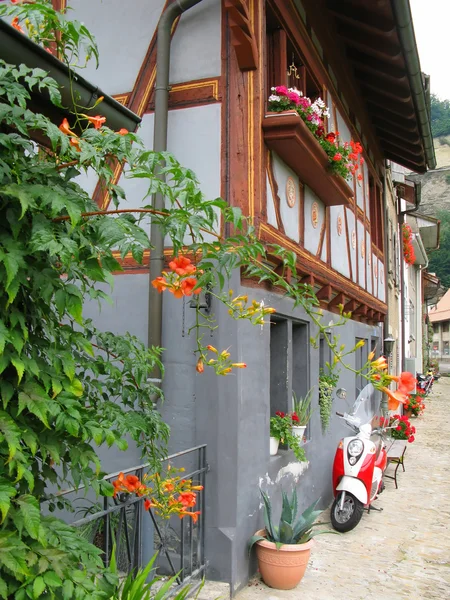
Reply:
x=172, y=12
x=401, y=221
x=384, y=405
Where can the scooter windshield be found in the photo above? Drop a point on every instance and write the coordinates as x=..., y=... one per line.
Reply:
x=366, y=405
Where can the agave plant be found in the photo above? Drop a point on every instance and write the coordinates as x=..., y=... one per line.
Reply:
x=291, y=530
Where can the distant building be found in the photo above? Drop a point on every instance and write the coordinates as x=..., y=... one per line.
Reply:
x=440, y=318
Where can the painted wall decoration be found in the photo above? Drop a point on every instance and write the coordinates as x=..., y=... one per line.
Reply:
x=291, y=194
x=363, y=248
x=339, y=224
x=382, y=275
x=315, y=214
x=353, y=239
x=375, y=270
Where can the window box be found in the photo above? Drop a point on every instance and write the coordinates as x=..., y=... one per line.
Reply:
x=286, y=134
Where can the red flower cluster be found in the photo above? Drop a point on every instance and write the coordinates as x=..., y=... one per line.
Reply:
x=404, y=430
x=408, y=249
x=179, y=282
x=415, y=404
x=281, y=414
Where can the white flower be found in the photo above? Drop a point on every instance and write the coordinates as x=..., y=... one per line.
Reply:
x=273, y=89
x=296, y=91
x=326, y=113
x=274, y=98
x=320, y=102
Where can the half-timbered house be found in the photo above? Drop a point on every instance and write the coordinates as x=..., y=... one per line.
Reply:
x=360, y=57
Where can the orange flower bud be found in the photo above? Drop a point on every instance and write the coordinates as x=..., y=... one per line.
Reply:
x=239, y=365
x=200, y=366
x=211, y=349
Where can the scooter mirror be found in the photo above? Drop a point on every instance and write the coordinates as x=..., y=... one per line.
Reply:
x=341, y=393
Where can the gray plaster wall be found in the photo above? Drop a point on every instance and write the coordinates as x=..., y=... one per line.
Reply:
x=231, y=415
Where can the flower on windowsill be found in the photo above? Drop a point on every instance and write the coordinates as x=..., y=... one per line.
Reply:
x=344, y=157
x=403, y=430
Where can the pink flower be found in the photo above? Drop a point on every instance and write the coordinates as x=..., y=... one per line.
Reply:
x=293, y=97
x=282, y=90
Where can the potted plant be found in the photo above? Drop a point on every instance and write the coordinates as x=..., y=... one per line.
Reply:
x=403, y=429
x=302, y=413
x=283, y=551
x=281, y=431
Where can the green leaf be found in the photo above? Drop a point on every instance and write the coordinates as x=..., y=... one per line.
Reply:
x=6, y=493
x=286, y=512
x=6, y=392
x=268, y=515
x=253, y=540
x=3, y=589
x=67, y=589
x=76, y=388
x=36, y=401
x=52, y=579
x=3, y=336
x=29, y=508
x=38, y=586
x=19, y=366
x=286, y=533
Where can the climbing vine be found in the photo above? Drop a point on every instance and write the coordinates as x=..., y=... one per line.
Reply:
x=327, y=382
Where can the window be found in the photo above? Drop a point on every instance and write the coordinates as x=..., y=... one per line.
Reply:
x=289, y=363
x=285, y=64
x=435, y=327
x=376, y=214
x=445, y=327
x=446, y=348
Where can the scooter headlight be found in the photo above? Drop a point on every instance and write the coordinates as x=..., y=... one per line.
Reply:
x=355, y=448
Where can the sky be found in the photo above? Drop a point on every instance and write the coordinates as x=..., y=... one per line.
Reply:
x=431, y=25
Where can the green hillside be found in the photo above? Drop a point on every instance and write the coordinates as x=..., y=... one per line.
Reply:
x=440, y=116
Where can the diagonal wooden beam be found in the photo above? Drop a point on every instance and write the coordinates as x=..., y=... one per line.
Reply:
x=325, y=293
x=338, y=299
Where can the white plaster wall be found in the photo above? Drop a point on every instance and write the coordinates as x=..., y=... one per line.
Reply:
x=369, y=267
x=361, y=260
x=289, y=216
x=194, y=139
x=196, y=45
x=339, y=252
x=353, y=251
x=270, y=209
x=123, y=31
x=312, y=235
x=329, y=103
x=381, y=282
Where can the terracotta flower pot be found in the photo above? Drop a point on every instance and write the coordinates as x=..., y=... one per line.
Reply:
x=282, y=569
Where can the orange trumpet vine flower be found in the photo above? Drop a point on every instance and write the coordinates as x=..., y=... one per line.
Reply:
x=96, y=121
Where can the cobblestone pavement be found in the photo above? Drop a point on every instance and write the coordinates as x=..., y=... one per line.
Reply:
x=402, y=552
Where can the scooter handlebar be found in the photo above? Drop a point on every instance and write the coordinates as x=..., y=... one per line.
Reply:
x=340, y=414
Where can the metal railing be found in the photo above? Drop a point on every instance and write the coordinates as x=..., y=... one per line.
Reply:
x=180, y=543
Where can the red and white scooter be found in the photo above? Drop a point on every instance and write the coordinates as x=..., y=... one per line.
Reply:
x=359, y=463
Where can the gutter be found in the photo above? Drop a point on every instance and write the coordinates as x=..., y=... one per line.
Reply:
x=162, y=88
x=16, y=48
x=419, y=83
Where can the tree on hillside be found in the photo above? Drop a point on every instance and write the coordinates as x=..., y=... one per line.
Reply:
x=440, y=116
x=440, y=259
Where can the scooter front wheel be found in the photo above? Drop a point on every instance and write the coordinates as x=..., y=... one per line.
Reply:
x=346, y=517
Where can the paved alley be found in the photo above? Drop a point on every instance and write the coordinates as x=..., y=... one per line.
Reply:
x=402, y=552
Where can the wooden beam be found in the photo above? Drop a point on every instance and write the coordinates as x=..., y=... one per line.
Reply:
x=350, y=306
x=375, y=65
x=396, y=90
x=325, y=293
x=379, y=45
x=361, y=17
x=338, y=299
x=361, y=311
x=308, y=280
